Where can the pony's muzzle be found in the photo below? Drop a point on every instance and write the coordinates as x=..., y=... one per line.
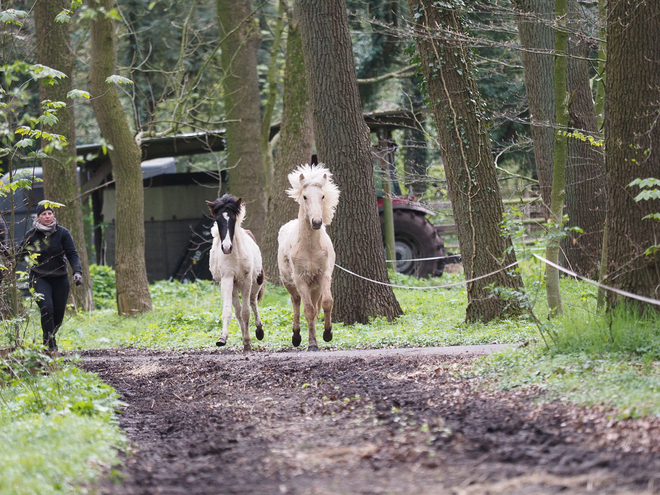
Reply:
x=227, y=250
x=317, y=223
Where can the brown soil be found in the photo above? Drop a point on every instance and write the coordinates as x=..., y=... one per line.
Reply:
x=209, y=423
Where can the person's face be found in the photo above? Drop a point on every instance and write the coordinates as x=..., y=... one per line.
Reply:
x=46, y=217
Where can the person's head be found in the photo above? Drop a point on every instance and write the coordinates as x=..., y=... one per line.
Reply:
x=45, y=214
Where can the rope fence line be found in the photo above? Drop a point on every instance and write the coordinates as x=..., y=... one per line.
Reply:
x=425, y=259
x=428, y=287
x=648, y=300
x=624, y=293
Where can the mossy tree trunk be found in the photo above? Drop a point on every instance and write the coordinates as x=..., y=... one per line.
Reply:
x=559, y=167
x=343, y=144
x=632, y=138
x=130, y=267
x=59, y=170
x=294, y=148
x=469, y=164
x=240, y=37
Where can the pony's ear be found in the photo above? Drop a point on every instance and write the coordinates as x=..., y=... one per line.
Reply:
x=325, y=177
x=301, y=178
x=210, y=205
x=239, y=201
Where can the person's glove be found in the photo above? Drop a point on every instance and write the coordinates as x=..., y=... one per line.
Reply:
x=77, y=278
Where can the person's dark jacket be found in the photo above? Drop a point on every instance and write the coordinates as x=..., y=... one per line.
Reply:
x=53, y=252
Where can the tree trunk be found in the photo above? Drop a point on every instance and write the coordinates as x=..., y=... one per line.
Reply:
x=632, y=138
x=585, y=166
x=468, y=161
x=59, y=170
x=294, y=148
x=559, y=167
x=537, y=38
x=342, y=139
x=130, y=267
x=240, y=38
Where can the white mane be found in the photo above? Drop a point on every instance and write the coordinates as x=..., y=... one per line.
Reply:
x=315, y=175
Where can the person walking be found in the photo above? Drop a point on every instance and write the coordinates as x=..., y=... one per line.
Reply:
x=53, y=245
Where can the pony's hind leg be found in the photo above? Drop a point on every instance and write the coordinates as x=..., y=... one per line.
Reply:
x=327, y=303
x=254, y=299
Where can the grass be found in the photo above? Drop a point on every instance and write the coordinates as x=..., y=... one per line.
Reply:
x=57, y=426
x=187, y=316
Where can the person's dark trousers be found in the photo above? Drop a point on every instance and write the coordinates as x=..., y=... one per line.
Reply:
x=55, y=291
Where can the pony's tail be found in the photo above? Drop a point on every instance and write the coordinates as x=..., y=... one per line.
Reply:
x=261, y=280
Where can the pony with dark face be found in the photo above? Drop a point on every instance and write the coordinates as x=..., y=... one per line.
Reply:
x=235, y=263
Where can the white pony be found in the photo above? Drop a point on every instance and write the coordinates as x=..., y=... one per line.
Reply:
x=235, y=263
x=305, y=254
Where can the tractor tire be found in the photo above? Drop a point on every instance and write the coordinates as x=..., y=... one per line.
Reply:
x=415, y=238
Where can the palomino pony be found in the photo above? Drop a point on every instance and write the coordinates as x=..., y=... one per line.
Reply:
x=235, y=263
x=305, y=254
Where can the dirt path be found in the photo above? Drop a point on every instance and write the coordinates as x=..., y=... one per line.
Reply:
x=358, y=423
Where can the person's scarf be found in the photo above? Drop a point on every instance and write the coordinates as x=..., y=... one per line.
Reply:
x=47, y=230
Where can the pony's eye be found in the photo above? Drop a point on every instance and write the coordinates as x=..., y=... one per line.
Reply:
x=323, y=197
x=305, y=198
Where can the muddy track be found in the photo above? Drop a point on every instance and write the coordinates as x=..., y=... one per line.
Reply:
x=371, y=423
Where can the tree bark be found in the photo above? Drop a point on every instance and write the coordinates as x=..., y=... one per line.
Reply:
x=558, y=192
x=240, y=38
x=469, y=165
x=59, y=169
x=632, y=141
x=585, y=166
x=294, y=148
x=130, y=267
x=342, y=139
x=537, y=38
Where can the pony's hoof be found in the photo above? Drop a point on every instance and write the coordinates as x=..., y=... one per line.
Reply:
x=313, y=348
x=327, y=335
x=221, y=342
x=259, y=333
x=296, y=339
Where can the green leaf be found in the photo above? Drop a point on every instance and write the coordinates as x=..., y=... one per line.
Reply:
x=648, y=194
x=115, y=79
x=48, y=119
x=63, y=17
x=25, y=143
x=78, y=93
x=653, y=216
x=644, y=183
x=11, y=16
x=39, y=71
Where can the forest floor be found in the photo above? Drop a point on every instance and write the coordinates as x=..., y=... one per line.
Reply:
x=398, y=422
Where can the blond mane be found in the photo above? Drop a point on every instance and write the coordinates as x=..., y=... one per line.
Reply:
x=315, y=175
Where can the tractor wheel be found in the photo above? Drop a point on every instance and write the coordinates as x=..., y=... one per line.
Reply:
x=415, y=238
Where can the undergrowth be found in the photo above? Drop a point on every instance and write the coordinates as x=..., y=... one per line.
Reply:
x=58, y=431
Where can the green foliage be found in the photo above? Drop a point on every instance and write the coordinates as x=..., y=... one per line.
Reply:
x=650, y=190
x=57, y=425
x=104, y=286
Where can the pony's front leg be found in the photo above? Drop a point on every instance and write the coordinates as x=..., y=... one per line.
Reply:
x=243, y=315
x=327, y=303
x=295, y=302
x=311, y=313
x=227, y=289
